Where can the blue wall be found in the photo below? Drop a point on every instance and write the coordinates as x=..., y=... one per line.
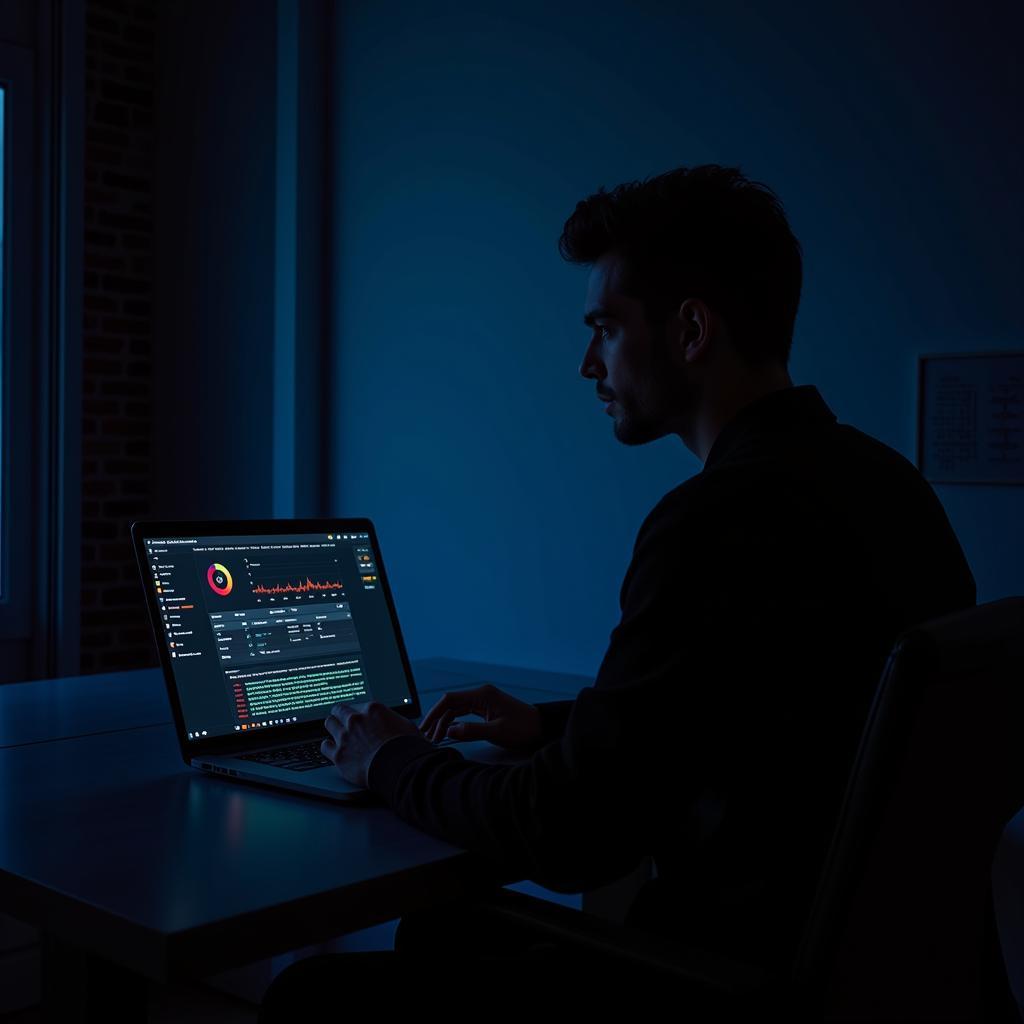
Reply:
x=215, y=269
x=460, y=141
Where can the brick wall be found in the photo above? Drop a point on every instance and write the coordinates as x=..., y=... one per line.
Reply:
x=117, y=328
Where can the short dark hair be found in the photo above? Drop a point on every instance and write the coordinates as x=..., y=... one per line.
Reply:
x=703, y=232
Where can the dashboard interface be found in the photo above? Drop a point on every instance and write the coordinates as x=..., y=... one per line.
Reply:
x=267, y=631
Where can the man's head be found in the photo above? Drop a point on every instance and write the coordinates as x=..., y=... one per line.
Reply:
x=693, y=294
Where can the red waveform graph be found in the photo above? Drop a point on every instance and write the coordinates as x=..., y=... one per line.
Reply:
x=301, y=588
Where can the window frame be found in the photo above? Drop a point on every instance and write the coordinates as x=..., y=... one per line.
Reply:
x=18, y=431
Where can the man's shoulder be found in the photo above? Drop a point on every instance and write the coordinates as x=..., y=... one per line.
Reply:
x=673, y=508
x=694, y=500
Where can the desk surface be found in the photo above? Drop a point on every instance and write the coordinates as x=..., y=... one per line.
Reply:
x=49, y=709
x=109, y=841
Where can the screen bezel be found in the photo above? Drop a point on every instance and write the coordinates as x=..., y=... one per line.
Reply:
x=241, y=742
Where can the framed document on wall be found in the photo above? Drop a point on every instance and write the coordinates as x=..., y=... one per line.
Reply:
x=970, y=417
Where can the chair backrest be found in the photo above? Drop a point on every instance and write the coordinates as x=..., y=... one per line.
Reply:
x=902, y=924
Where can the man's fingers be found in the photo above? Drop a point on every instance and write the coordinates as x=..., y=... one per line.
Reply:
x=328, y=749
x=471, y=730
x=477, y=701
x=333, y=726
x=442, y=725
x=449, y=700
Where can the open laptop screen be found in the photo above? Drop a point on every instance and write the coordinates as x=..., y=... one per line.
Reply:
x=268, y=630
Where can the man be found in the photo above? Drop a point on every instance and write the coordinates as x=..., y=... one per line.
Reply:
x=762, y=599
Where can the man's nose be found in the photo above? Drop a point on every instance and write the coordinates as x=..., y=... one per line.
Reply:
x=591, y=367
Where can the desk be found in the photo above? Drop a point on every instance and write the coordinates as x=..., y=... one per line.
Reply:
x=137, y=866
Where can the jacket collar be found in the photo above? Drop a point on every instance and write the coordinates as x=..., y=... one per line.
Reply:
x=800, y=405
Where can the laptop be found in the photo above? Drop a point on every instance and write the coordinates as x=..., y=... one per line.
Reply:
x=262, y=626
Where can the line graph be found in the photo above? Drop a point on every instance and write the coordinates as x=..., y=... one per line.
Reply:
x=303, y=587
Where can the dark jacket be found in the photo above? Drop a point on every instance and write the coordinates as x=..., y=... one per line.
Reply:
x=762, y=599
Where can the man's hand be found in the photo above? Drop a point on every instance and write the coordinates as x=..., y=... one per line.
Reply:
x=508, y=723
x=357, y=732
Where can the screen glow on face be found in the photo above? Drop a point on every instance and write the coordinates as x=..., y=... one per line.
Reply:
x=219, y=579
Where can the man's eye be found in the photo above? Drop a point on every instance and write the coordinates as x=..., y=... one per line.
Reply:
x=602, y=329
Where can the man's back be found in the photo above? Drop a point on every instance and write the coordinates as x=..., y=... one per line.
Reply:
x=763, y=598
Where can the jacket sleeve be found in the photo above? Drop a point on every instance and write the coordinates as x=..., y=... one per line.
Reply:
x=588, y=805
x=554, y=716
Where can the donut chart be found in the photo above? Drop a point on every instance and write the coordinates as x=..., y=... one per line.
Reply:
x=219, y=579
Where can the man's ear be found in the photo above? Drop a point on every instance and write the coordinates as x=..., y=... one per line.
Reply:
x=689, y=331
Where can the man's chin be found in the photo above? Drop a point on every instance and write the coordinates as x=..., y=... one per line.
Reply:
x=632, y=434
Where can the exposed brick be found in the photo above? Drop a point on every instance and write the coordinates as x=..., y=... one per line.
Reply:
x=132, y=222
x=127, y=182
x=99, y=303
x=135, y=635
x=140, y=76
x=135, y=467
x=98, y=488
x=103, y=343
x=124, y=508
x=141, y=119
x=107, y=136
x=92, y=364
x=106, y=156
x=124, y=427
x=119, y=596
x=101, y=446
x=101, y=239
x=98, y=23
x=118, y=658
x=126, y=285
x=136, y=34
x=116, y=49
x=100, y=617
x=99, y=574
x=105, y=260
x=100, y=406
x=117, y=320
x=98, y=529
x=112, y=113
x=120, y=325
x=130, y=94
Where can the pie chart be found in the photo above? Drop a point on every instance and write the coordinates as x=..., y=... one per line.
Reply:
x=219, y=579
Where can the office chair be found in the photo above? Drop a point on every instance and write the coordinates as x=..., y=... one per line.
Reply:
x=902, y=923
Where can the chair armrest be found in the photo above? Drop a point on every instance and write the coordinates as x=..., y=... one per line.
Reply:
x=715, y=975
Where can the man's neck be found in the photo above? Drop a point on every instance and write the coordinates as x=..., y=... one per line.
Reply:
x=723, y=405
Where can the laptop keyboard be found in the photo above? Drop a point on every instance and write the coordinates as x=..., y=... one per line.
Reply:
x=302, y=757
x=299, y=757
